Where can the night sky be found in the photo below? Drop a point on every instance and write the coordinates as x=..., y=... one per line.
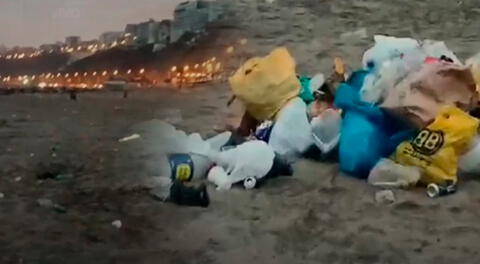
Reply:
x=35, y=22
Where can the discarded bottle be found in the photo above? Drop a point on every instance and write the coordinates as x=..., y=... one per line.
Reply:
x=249, y=183
x=435, y=190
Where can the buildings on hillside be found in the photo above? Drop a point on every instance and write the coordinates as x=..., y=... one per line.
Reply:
x=189, y=16
x=110, y=37
x=72, y=41
x=3, y=49
x=55, y=47
x=150, y=32
x=193, y=16
x=19, y=50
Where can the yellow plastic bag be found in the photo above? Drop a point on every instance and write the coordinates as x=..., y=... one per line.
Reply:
x=436, y=148
x=266, y=84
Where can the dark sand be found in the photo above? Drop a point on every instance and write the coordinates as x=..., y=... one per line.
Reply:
x=317, y=216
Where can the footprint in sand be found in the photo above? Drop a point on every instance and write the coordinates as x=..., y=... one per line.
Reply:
x=370, y=229
x=171, y=115
x=408, y=205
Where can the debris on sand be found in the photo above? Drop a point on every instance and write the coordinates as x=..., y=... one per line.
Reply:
x=385, y=197
x=117, y=224
x=129, y=138
x=47, y=203
x=65, y=170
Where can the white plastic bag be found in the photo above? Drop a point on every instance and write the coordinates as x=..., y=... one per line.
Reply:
x=436, y=49
x=159, y=139
x=326, y=130
x=218, y=176
x=386, y=77
x=386, y=48
x=388, y=174
x=316, y=82
x=292, y=134
x=469, y=162
x=392, y=60
x=250, y=159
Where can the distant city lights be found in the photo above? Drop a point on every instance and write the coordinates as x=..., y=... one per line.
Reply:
x=190, y=73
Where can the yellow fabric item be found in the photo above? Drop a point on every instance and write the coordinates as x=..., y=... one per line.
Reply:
x=436, y=148
x=266, y=84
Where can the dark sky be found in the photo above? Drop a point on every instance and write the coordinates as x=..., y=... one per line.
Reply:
x=35, y=22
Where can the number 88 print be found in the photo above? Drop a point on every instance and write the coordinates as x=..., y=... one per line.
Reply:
x=428, y=142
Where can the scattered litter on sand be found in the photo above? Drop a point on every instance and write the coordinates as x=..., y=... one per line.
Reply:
x=132, y=137
x=117, y=224
x=385, y=197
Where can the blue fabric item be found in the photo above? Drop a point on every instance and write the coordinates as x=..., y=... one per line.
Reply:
x=264, y=133
x=368, y=133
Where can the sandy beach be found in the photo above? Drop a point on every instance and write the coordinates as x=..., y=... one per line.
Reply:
x=317, y=216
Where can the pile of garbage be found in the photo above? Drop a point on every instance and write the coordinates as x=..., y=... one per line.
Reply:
x=406, y=118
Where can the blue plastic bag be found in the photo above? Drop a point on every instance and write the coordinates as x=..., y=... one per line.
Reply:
x=368, y=134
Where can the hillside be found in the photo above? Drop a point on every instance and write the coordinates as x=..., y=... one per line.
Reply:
x=317, y=30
